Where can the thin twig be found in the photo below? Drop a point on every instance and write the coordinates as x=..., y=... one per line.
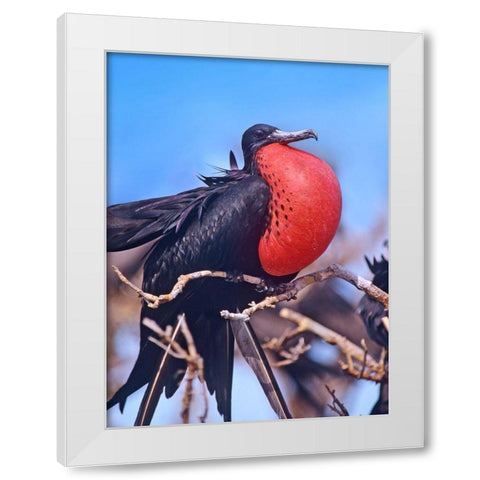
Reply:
x=368, y=368
x=337, y=406
x=364, y=362
x=385, y=323
x=193, y=359
x=306, y=324
x=291, y=354
x=150, y=398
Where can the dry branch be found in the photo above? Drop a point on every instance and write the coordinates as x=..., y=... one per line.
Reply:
x=337, y=406
x=385, y=323
x=153, y=301
x=190, y=355
x=295, y=286
x=291, y=354
x=290, y=290
x=357, y=360
x=369, y=369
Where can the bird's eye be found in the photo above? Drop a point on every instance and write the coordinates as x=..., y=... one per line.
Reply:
x=258, y=133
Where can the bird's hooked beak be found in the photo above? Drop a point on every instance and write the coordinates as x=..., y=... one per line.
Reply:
x=279, y=136
x=261, y=135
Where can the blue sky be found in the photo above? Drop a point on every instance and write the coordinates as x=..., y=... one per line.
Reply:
x=171, y=118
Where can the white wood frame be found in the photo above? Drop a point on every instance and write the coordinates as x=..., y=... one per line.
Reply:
x=83, y=41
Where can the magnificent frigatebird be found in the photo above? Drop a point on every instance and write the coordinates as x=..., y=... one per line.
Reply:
x=270, y=219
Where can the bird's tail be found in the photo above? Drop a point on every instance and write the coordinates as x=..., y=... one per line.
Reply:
x=139, y=376
x=162, y=372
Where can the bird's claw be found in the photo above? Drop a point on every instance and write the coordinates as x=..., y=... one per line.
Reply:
x=291, y=293
x=271, y=288
x=234, y=277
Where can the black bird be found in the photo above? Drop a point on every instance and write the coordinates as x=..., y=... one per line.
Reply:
x=269, y=219
x=372, y=314
x=371, y=311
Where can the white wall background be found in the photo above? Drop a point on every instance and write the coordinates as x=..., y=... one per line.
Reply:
x=27, y=275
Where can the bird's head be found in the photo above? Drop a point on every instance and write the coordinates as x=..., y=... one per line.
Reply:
x=305, y=198
x=261, y=135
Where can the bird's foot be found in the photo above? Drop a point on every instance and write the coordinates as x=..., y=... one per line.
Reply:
x=271, y=288
x=234, y=276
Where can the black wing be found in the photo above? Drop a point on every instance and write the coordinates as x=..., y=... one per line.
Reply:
x=132, y=224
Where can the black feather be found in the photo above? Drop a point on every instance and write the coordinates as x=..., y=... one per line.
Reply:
x=233, y=161
x=372, y=311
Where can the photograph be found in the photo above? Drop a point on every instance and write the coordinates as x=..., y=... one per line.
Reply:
x=247, y=239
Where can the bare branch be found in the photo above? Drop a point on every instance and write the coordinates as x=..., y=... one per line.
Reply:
x=364, y=362
x=385, y=323
x=290, y=289
x=306, y=324
x=367, y=369
x=190, y=355
x=153, y=301
x=291, y=354
x=337, y=406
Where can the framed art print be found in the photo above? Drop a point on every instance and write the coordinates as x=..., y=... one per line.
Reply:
x=240, y=240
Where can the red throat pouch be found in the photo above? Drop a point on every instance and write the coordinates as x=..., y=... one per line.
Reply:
x=304, y=210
